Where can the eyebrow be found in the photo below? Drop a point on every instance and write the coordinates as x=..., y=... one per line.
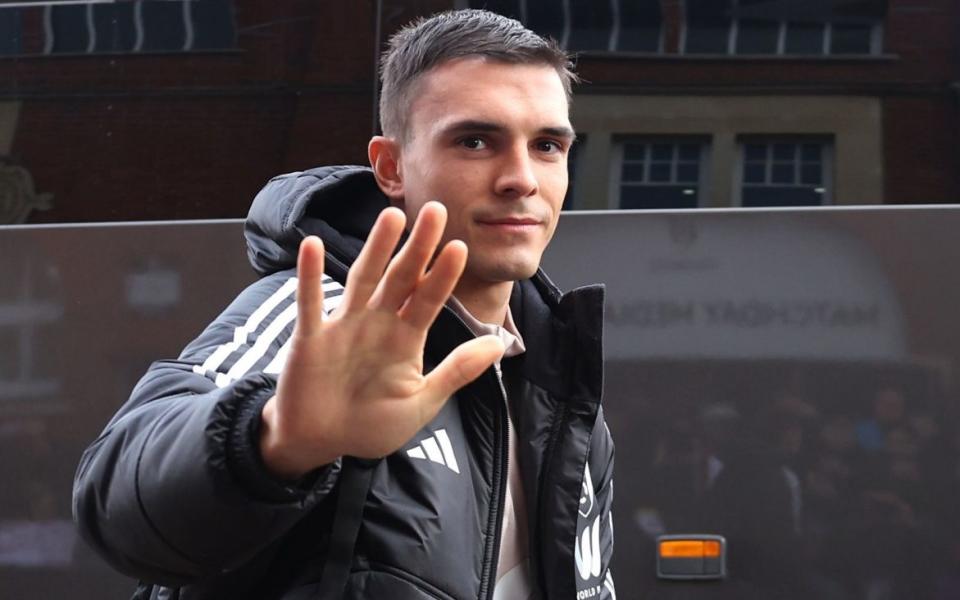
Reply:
x=471, y=125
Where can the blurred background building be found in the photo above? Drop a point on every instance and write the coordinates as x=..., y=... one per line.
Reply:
x=182, y=109
x=825, y=340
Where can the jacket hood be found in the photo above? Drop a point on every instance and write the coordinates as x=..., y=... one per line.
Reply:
x=338, y=203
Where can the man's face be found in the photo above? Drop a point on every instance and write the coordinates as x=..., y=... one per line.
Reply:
x=490, y=141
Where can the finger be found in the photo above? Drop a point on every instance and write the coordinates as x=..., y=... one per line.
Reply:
x=310, y=285
x=436, y=287
x=460, y=367
x=367, y=269
x=405, y=270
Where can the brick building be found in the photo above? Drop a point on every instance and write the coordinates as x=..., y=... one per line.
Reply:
x=181, y=109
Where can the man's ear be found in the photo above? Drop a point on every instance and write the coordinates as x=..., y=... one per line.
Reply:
x=384, y=155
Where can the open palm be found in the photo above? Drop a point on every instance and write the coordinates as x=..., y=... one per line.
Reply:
x=353, y=383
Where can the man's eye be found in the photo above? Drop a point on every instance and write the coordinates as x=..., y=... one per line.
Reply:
x=549, y=146
x=473, y=143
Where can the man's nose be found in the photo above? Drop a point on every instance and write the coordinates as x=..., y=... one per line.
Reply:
x=516, y=177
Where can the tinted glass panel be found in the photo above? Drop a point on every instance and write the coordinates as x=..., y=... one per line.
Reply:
x=811, y=173
x=652, y=196
x=163, y=25
x=591, y=25
x=640, y=22
x=756, y=151
x=632, y=172
x=70, y=30
x=83, y=311
x=10, y=31
x=757, y=37
x=708, y=10
x=707, y=26
x=709, y=38
x=811, y=152
x=687, y=172
x=776, y=398
x=784, y=151
x=661, y=151
x=213, y=26
x=804, y=38
x=755, y=173
x=660, y=172
x=782, y=173
x=689, y=152
x=509, y=8
x=546, y=18
x=634, y=151
x=114, y=26
x=781, y=196
x=850, y=39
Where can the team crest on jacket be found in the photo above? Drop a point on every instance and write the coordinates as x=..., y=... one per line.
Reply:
x=594, y=530
x=587, y=498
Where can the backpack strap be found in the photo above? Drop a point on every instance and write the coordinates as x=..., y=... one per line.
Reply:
x=354, y=483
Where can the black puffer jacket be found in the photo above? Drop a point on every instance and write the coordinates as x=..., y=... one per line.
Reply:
x=174, y=493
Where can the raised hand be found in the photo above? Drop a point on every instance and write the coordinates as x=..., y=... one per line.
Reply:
x=353, y=383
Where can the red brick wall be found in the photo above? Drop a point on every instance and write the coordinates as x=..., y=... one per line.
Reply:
x=920, y=151
x=195, y=135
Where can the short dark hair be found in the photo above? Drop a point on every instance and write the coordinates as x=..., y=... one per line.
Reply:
x=431, y=41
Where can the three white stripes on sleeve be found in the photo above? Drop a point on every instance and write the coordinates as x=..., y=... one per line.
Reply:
x=264, y=343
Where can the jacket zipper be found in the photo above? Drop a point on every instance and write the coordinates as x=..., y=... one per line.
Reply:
x=500, y=470
x=491, y=553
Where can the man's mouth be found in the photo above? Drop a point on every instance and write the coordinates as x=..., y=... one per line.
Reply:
x=510, y=221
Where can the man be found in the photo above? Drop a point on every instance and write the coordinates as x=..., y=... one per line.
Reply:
x=378, y=437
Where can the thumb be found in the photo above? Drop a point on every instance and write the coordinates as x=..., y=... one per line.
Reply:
x=460, y=367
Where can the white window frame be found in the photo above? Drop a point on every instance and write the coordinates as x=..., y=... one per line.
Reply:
x=49, y=36
x=826, y=158
x=613, y=38
x=876, y=39
x=616, y=164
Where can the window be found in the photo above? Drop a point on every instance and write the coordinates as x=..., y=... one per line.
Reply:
x=583, y=25
x=114, y=27
x=11, y=32
x=660, y=172
x=164, y=25
x=708, y=24
x=133, y=26
x=785, y=172
x=830, y=27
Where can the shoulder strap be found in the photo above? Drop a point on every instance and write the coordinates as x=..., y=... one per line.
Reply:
x=354, y=483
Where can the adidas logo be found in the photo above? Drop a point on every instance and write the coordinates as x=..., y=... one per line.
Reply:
x=436, y=448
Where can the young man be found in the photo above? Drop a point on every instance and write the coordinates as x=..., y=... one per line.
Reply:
x=347, y=427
